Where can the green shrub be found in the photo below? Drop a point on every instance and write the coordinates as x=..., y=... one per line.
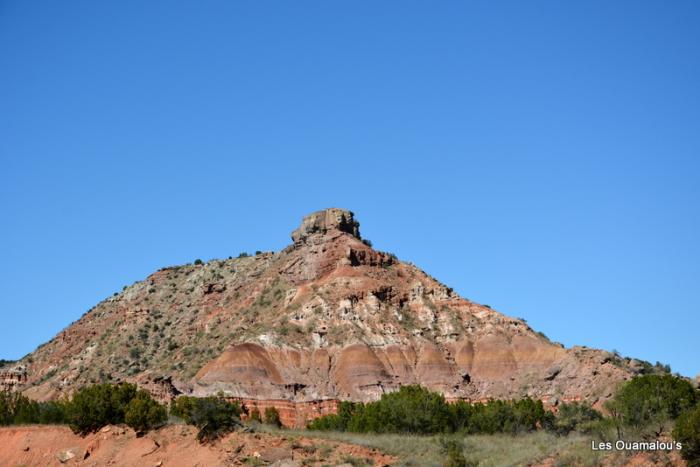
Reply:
x=272, y=417
x=214, y=416
x=687, y=432
x=413, y=409
x=331, y=422
x=52, y=413
x=198, y=261
x=90, y=409
x=498, y=416
x=452, y=448
x=576, y=416
x=17, y=409
x=143, y=413
x=651, y=400
x=255, y=416
x=96, y=406
x=182, y=407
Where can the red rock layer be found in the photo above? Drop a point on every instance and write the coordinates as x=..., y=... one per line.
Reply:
x=292, y=414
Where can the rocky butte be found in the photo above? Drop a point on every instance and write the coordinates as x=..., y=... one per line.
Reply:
x=328, y=318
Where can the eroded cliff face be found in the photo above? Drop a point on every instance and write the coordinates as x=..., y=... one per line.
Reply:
x=12, y=377
x=326, y=318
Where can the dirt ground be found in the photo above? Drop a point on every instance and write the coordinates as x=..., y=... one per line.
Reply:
x=172, y=446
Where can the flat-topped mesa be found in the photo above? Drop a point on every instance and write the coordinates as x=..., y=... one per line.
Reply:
x=325, y=220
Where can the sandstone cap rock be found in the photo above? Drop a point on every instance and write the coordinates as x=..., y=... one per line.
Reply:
x=325, y=220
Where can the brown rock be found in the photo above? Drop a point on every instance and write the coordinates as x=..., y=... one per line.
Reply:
x=65, y=455
x=321, y=222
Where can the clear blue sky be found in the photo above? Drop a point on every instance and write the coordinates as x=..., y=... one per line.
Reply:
x=540, y=157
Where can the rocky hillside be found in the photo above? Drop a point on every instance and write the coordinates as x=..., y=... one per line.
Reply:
x=328, y=317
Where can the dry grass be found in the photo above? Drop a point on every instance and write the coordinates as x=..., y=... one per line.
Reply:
x=487, y=450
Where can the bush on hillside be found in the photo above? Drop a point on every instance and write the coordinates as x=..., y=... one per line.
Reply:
x=16, y=409
x=95, y=406
x=272, y=417
x=687, y=432
x=90, y=409
x=576, y=416
x=651, y=400
x=142, y=413
x=214, y=416
x=255, y=416
x=411, y=409
x=498, y=416
x=414, y=409
x=52, y=413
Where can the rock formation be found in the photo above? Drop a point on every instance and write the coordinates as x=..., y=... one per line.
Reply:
x=323, y=221
x=326, y=318
x=13, y=378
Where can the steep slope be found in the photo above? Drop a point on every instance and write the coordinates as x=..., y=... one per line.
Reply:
x=328, y=317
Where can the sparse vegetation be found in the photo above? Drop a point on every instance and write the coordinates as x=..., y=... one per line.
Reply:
x=272, y=417
x=484, y=450
x=255, y=416
x=656, y=369
x=454, y=450
x=142, y=413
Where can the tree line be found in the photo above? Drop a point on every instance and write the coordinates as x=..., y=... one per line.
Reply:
x=417, y=410
x=99, y=405
x=644, y=407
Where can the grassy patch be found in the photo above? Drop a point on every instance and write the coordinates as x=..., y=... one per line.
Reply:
x=487, y=450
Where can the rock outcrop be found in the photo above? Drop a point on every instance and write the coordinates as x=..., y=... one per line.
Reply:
x=328, y=318
x=13, y=378
x=321, y=222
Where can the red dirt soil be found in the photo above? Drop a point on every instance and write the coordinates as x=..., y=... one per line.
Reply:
x=169, y=446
